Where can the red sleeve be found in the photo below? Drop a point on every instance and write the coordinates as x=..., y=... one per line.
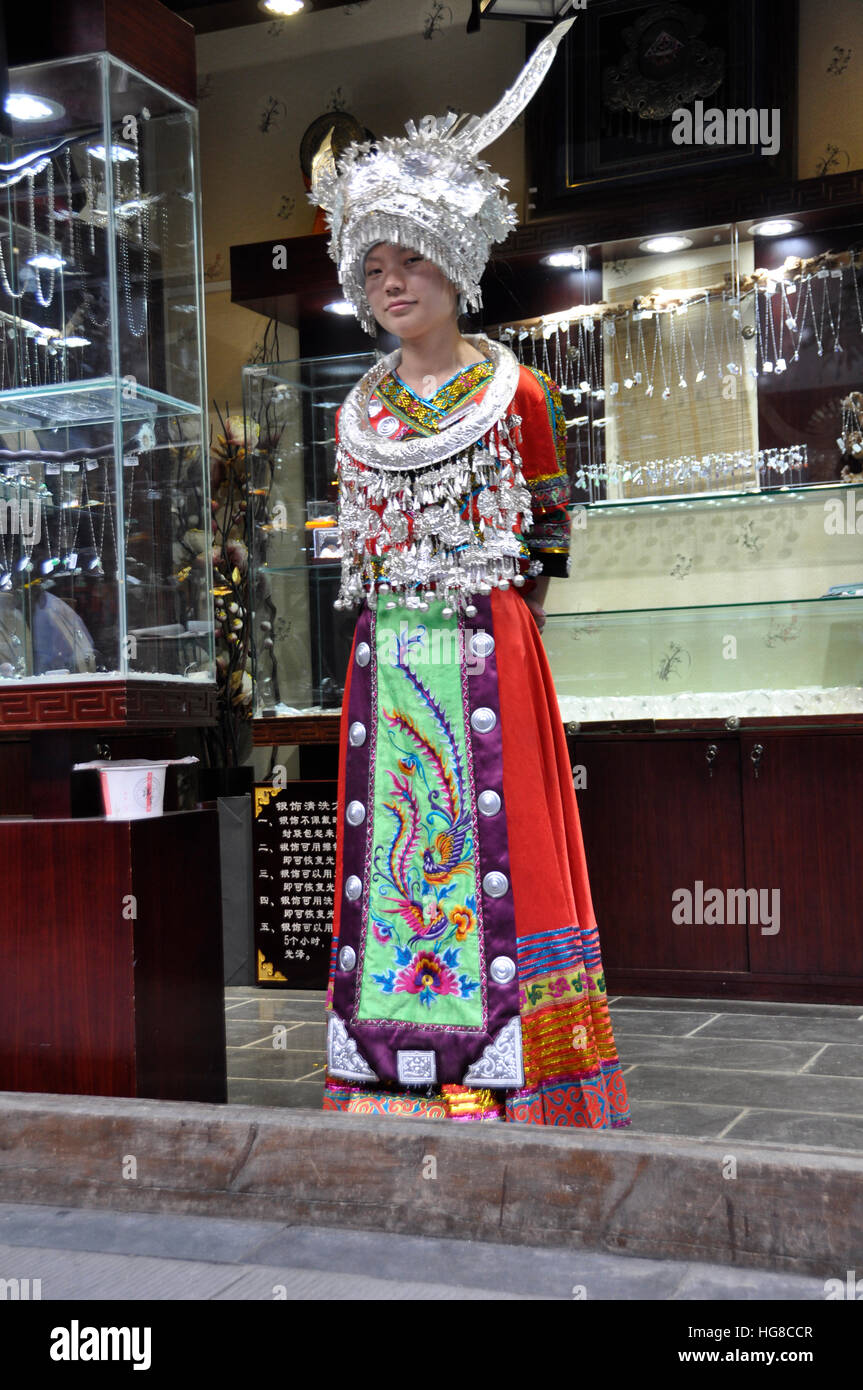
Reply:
x=543, y=462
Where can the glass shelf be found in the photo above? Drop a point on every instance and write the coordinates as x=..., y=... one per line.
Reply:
x=700, y=608
x=324, y=567
x=778, y=658
x=85, y=403
x=789, y=491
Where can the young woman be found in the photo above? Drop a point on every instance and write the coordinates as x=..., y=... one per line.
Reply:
x=466, y=976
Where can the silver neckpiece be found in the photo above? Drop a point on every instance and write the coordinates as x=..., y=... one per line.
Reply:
x=419, y=547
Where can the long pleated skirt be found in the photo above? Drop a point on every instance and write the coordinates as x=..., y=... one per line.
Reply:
x=466, y=978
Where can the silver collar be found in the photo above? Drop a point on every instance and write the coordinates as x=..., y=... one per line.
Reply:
x=360, y=439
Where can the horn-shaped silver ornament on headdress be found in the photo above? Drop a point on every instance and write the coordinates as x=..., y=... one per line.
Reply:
x=428, y=191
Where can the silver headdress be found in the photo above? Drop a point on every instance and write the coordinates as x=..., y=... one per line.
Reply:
x=428, y=191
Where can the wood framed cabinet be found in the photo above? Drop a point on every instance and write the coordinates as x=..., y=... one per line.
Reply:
x=110, y=958
x=762, y=818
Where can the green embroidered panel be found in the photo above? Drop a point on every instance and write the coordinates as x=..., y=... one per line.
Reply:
x=421, y=962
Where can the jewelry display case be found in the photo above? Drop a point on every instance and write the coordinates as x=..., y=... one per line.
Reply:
x=301, y=644
x=106, y=612
x=710, y=383
x=104, y=506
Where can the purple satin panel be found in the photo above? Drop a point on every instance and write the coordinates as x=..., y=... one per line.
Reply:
x=378, y=1042
x=493, y=843
x=359, y=786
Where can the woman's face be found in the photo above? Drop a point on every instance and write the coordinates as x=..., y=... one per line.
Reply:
x=408, y=294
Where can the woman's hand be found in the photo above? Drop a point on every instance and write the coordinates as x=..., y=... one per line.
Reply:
x=534, y=596
x=537, y=610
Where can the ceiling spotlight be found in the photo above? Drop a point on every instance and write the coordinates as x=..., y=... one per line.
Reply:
x=339, y=306
x=281, y=8
x=567, y=260
x=776, y=226
x=663, y=245
x=22, y=106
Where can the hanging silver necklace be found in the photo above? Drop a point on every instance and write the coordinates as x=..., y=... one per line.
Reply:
x=779, y=363
x=43, y=298
x=597, y=390
x=611, y=375
x=94, y=565
x=5, y=563
x=765, y=366
x=649, y=371
x=632, y=375
x=141, y=213
x=836, y=274
x=70, y=559
x=700, y=368
x=678, y=365
x=854, y=264
x=666, y=389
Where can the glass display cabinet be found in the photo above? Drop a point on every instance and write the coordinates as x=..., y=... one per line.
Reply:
x=711, y=386
x=106, y=611
x=104, y=506
x=301, y=643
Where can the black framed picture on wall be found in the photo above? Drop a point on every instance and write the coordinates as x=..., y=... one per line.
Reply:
x=649, y=90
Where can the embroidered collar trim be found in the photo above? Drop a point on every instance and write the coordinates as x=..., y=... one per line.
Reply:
x=358, y=437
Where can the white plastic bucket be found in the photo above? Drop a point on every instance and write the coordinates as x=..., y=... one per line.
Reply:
x=132, y=788
x=131, y=793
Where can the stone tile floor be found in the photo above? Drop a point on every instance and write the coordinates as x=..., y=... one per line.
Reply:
x=761, y=1072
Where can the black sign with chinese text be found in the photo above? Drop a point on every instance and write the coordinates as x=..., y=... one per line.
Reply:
x=294, y=843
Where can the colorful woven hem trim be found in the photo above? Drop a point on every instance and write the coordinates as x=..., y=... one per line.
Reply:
x=598, y=1102
x=450, y=1103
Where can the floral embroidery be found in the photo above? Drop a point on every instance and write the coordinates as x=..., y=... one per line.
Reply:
x=426, y=976
x=426, y=415
x=465, y=922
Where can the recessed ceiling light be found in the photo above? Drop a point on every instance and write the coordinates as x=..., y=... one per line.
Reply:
x=663, y=245
x=775, y=226
x=22, y=106
x=281, y=8
x=565, y=260
x=339, y=306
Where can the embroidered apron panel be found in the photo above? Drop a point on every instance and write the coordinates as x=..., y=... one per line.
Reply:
x=423, y=950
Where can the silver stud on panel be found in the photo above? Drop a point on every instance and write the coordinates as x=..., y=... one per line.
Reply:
x=495, y=884
x=502, y=970
x=483, y=720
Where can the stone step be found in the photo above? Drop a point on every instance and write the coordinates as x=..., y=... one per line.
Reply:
x=786, y=1209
